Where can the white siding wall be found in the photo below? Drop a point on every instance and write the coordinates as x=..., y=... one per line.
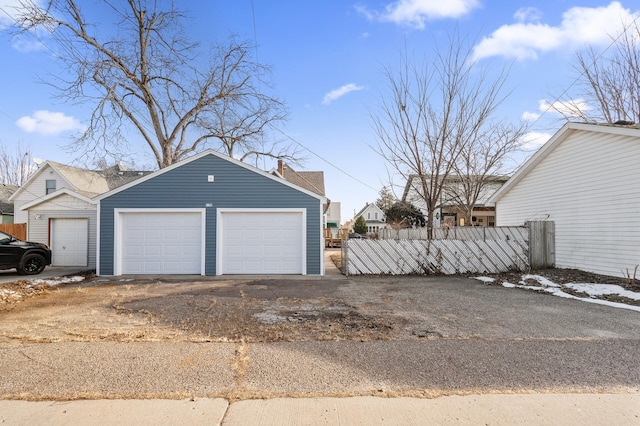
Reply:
x=35, y=189
x=590, y=186
x=39, y=229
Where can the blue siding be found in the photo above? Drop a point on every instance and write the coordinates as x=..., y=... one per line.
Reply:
x=186, y=186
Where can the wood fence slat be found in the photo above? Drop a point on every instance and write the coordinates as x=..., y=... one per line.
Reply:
x=18, y=230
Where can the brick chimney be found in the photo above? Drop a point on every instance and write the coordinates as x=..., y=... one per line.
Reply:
x=281, y=167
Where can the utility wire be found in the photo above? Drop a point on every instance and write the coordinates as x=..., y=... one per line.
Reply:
x=322, y=158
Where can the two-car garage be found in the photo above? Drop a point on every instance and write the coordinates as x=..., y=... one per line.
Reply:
x=210, y=215
x=152, y=241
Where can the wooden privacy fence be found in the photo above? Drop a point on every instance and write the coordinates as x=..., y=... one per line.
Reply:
x=452, y=251
x=18, y=230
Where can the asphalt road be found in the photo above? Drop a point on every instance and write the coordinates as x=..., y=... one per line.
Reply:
x=483, y=340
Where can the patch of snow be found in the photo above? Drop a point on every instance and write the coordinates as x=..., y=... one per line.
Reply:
x=542, y=280
x=58, y=280
x=9, y=294
x=591, y=290
x=603, y=289
x=485, y=279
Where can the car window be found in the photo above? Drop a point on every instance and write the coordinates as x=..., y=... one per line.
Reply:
x=4, y=238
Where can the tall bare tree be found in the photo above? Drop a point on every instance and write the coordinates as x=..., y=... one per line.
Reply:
x=609, y=81
x=15, y=166
x=150, y=77
x=480, y=168
x=433, y=112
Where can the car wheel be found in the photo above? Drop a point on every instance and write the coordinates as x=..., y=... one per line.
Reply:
x=31, y=264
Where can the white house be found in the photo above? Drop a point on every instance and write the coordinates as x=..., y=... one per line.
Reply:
x=57, y=204
x=450, y=213
x=586, y=179
x=374, y=216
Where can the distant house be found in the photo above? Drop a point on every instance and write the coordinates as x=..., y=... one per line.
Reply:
x=311, y=181
x=586, y=179
x=450, y=213
x=6, y=206
x=374, y=216
x=58, y=205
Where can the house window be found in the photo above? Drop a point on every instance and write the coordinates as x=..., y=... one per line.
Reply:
x=368, y=215
x=50, y=186
x=376, y=214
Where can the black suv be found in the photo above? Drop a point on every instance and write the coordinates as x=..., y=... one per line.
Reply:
x=27, y=257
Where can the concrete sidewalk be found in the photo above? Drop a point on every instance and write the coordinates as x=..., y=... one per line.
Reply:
x=538, y=409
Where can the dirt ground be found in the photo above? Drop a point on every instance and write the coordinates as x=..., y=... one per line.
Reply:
x=100, y=309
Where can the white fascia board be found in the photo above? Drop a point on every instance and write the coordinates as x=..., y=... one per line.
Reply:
x=56, y=194
x=38, y=172
x=197, y=157
x=562, y=134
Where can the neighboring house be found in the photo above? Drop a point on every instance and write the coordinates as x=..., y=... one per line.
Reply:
x=210, y=215
x=450, y=213
x=586, y=179
x=312, y=181
x=57, y=204
x=6, y=206
x=374, y=216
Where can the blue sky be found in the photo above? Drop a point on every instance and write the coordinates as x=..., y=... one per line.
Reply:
x=327, y=59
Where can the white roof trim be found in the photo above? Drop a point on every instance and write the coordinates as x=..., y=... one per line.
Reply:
x=562, y=134
x=56, y=194
x=204, y=154
x=38, y=172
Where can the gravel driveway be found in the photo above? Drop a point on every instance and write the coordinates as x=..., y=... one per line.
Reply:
x=421, y=336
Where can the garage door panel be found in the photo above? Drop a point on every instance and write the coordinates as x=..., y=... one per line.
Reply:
x=69, y=242
x=161, y=242
x=262, y=242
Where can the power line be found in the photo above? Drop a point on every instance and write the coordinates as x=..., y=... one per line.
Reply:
x=323, y=159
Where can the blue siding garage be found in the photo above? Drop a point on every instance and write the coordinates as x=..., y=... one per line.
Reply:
x=210, y=215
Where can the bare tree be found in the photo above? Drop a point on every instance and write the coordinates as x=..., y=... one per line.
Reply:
x=16, y=166
x=431, y=114
x=609, y=82
x=149, y=76
x=480, y=169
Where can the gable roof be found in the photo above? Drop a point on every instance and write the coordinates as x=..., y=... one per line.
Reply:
x=202, y=154
x=560, y=136
x=366, y=207
x=312, y=181
x=88, y=183
x=56, y=194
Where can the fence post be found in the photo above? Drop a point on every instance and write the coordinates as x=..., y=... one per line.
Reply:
x=345, y=257
x=541, y=244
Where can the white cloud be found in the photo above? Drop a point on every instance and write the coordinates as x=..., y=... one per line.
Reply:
x=534, y=140
x=530, y=116
x=26, y=44
x=571, y=108
x=9, y=11
x=414, y=13
x=338, y=93
x=48, y=123
x=527, y=14
x=580, y=26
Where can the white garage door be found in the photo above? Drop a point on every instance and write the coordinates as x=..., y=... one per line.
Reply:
x=262, y=243
x=69, y=242
x=161, y=242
